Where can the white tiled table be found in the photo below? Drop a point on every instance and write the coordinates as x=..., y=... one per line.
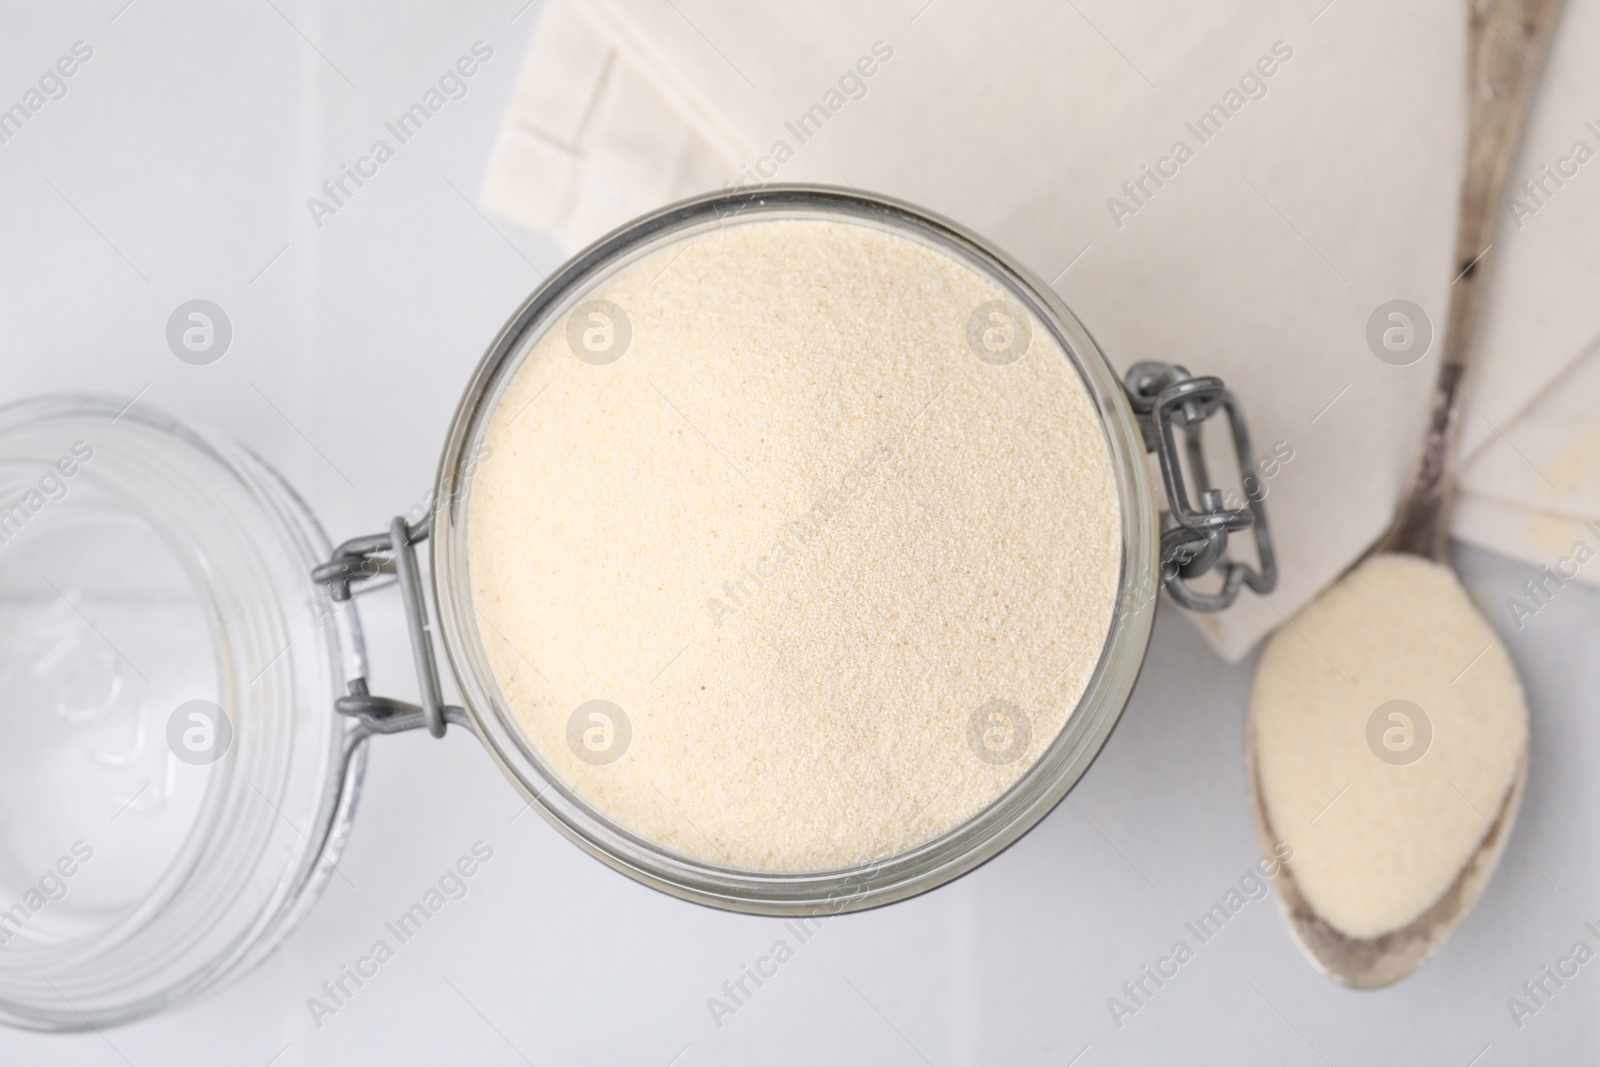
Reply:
x=178, y=166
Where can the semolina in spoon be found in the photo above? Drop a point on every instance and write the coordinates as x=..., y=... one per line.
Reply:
x=1387, y=736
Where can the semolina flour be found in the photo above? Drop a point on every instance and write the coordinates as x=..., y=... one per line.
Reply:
x=1387, y=728
x=797, y=544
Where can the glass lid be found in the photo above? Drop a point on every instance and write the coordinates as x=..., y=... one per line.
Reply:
x=173, y=786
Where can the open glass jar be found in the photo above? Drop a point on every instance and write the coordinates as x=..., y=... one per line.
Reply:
x=286, y=639
x=575, y=320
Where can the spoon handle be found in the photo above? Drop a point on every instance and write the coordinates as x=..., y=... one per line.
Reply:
x=1507, y=45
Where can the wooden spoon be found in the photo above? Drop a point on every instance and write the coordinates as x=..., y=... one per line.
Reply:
x=1508, y=42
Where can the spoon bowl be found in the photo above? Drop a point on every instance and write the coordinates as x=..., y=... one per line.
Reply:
x=1369, y=963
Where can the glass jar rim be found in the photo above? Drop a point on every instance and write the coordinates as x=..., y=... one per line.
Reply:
x=902, y=874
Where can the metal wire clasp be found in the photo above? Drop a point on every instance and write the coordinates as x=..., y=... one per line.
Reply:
x=1194, y=539
x=362, y=559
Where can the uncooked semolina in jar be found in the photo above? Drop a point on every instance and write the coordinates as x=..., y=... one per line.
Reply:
x=796, y=545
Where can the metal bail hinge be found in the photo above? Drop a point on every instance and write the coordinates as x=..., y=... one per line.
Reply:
x=1194, y=539
x=362, y=559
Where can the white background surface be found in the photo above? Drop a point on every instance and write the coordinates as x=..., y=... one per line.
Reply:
x=178, y=167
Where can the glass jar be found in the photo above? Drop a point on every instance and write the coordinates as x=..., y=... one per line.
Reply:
x=176, y=633
x=1171, y=547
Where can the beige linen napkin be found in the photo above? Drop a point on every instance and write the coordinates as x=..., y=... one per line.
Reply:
x=1549, y=460
x=1320, y=184
x=1534, y=492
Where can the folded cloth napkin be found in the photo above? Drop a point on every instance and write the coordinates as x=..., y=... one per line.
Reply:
x=1549, y=461
x=1534, y=493
x=1236, y=188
